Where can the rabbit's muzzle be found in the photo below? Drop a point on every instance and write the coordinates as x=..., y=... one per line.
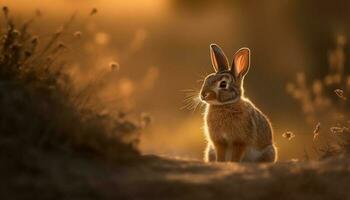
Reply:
x=208, y=95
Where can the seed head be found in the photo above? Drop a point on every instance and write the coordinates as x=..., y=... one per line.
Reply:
x=15, y=33
x=77, y=34
x=4, y=37
x=114, y=66
x=340, y=93
x=146, y=119
x=338, y=130
x=61, y=45
x=289, y=135
x=317, y=130
x=93, y=12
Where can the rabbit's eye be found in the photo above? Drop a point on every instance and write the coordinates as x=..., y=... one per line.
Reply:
x=223, y=84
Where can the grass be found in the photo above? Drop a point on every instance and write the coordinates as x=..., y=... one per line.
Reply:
x=50, y=135
x=325, y=104
x=39, y=109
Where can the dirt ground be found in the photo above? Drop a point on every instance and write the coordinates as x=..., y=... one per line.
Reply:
x=152, y=177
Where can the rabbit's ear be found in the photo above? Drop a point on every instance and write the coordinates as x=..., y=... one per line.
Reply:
x=241, y=62
x=218, y=58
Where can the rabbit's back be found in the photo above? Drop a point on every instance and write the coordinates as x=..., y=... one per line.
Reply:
x=262, y=127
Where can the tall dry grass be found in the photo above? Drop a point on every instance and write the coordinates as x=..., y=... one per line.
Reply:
x=324, y=102
x=41, y=108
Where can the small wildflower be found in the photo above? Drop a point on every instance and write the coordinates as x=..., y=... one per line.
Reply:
x=146, y=119
x=317, y=130
x=15, y=33
x=77, y=34
x=340, y=93
x=289, y=135
x=93, y=12
x=114, y=66
x=338, y=130
x=4, y=38
x=62, y=45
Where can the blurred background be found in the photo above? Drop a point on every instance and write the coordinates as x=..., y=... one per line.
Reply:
x=160, y=48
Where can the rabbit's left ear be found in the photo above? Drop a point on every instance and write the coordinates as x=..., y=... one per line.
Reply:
x=241, y=62
x=218, y=58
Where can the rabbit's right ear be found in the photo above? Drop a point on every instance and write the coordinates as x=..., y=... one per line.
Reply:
x=241, y=62
x=218, y=58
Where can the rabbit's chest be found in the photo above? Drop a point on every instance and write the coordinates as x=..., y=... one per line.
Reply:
x=229, y=127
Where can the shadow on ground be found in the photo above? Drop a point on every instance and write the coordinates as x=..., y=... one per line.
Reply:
x=151, y=177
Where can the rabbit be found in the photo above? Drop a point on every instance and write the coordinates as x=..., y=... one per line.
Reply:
x=236, y=130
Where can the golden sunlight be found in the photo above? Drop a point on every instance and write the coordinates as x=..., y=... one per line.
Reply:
x=174, y=99
x=129, y=8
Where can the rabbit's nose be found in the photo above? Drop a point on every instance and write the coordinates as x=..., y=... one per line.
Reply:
x=208, y=95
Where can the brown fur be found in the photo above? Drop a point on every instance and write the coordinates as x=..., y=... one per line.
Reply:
x=240, y=124
x=235, y=129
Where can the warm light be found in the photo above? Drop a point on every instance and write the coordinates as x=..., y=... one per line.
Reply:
x=105, y=7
